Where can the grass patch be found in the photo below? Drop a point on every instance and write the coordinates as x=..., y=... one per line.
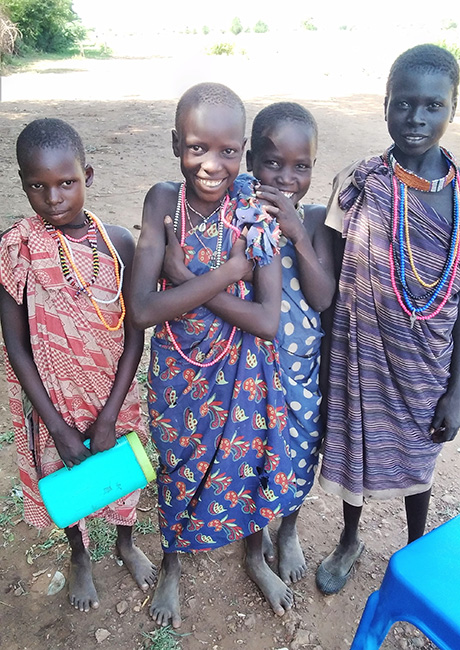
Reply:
x=11, y=513
x=103, y=537
x=56, y=540
x=7, y=438
x=146, y=527
x=164, y=638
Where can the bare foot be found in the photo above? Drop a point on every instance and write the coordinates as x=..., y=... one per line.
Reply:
x=138, y=564
x=342, y=558
x=267, y=546
x=292, y=565
x=165, y=608
x=278, y=595
x=82, y=592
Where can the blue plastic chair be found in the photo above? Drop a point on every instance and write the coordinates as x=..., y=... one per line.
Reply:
x=421, y=586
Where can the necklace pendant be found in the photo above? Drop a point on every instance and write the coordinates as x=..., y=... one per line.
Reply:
x=213, y=263
x=202, y=226
x=413, y=318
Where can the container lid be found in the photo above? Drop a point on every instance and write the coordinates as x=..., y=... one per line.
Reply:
x=142, y=458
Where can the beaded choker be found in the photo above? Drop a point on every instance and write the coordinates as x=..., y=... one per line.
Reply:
x=73, y=274
x=400, y=247
x=215, y=261
x=417, y=182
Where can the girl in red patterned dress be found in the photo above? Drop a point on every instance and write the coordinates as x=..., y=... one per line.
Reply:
x=71, y=349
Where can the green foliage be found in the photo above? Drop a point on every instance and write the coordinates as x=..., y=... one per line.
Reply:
x=450, y=24
x=7, y=438
x=164, y=638
x=103, y=537
x=45, y=25
x=236, y=27
x=260, y=27
x=309, y=25
x=453, y=48
x=11, y=513
x=205, y=29
x=222, y=48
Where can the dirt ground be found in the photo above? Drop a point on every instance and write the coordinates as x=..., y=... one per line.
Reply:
x=128, y=143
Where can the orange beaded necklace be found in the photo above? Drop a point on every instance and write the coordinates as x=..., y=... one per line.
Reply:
x=66, y=251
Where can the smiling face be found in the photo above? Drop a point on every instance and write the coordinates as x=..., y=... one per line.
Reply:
x=285, y=159
x=418, y=109
x=55, y=184
x=209, y=142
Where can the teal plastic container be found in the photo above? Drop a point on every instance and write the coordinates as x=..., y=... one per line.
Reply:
x=71, y=494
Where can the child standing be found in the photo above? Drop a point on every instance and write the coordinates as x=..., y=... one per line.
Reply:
x=283, y=152
x=71, y=351
x=215, y=400
x=394, y=372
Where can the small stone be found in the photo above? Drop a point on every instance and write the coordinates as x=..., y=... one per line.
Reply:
x=191, y=602
x=101, y=634
x=418, y=642
x=250, y=621
x=403, y=644
x=56, y=584
x=302, y=638
x=122, y=606
x=136, y=608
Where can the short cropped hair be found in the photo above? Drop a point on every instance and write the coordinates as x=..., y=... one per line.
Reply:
x=49, y=133
x=276, y=113
x=426, y=58
x=213, y=94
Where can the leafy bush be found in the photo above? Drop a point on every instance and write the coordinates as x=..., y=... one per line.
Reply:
x=45, y=25
x=236, y=27
x=260, y=27
x=222, y=48
x=453, y=48
x=205, y=30
x=309, y=25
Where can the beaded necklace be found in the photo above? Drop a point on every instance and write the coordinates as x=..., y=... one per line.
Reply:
x=66, y=258
x=91, y=238
x=401, y=241
x=410, y=179
x=181, y=211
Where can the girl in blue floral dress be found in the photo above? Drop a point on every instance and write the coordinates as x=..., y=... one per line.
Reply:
x=216, y=406
x=283, y=152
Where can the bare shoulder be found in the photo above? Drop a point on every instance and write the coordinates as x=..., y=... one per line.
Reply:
x=122, y=239
x=314, y=217
x=161, y=199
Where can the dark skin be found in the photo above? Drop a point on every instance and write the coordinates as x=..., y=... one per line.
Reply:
x=418, y=110
x=209, y=141
x=284, y=164
x=55, y=183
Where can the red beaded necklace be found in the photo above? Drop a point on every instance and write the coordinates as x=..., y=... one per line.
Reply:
x=182, y=210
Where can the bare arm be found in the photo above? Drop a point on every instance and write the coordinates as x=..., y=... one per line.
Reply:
x=259, y=316
x=151, y=307
x=102, y=431
x=312, y=242
x=15, y=326
x=446, y=421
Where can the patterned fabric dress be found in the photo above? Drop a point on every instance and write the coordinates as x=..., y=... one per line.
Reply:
x=385, y=377
x=225, y=469
x=299, y=337
x=76, y=357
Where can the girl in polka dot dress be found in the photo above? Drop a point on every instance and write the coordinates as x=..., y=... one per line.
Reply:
x=283, y=152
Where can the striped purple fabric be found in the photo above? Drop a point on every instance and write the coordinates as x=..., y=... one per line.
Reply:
x=385, y=378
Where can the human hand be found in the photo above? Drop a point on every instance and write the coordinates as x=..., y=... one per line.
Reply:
x=102, y=434
x=69, y=444
x=238, y=256
x=174, y=268
x=282, y=208
x=446, y=421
